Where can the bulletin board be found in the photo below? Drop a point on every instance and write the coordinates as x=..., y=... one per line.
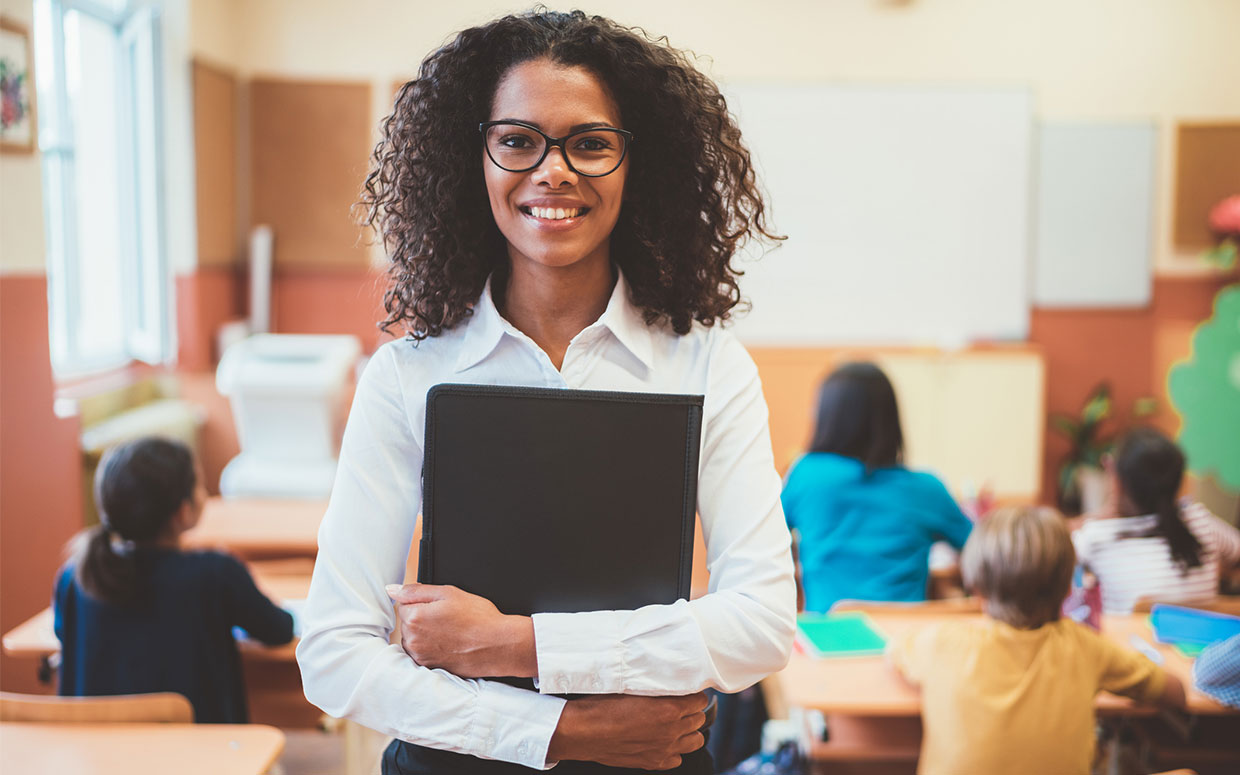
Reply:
x=309, y=148
x=906, y=211
x=1093, y=243
x=1207, y=169
x=216, y=103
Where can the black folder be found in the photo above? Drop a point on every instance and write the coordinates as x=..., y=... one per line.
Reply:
x=550, y=500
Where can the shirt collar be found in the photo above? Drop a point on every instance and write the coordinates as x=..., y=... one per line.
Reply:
x=486, y=327
x=484, y=330
x=626, y=323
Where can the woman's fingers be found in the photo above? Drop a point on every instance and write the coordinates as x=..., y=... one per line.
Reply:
x=416, y=593
x=691, y=742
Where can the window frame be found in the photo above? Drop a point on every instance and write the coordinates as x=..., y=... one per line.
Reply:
x=145, y=277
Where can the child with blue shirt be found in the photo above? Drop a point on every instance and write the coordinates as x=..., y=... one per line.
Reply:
x=865, y=522
x=135, y=613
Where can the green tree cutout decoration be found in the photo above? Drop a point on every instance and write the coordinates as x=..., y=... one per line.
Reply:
x=1205, y=390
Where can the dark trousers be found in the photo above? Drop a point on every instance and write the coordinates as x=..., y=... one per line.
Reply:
x=403, y=758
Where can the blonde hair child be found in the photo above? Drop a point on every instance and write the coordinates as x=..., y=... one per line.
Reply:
x=1014, y=692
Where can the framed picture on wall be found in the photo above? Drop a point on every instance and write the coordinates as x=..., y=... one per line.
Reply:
x=17, y=118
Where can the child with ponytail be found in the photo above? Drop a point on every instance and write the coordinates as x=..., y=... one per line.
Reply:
x=1154, y=545
x=136, y=614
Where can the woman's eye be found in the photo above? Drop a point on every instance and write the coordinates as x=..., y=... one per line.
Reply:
x=592, y=144
x=516, y=141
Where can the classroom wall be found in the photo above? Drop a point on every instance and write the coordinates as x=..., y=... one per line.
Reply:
x=1109, y=60
x=39, y=469
x=1102, y=60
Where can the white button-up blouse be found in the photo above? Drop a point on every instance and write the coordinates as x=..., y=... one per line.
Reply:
x=729, y=639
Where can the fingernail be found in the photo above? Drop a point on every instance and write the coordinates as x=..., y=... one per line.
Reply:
x=392, y=589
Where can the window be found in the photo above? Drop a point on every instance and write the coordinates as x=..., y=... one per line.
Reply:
x=98, y=77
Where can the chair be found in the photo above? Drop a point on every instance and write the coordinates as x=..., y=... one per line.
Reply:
x=1220, y=604
x=158, y=707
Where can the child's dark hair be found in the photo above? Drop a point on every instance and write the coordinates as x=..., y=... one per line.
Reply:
x=858, y=417
x=691, y=197
x=139, y=486
x=1150, y=468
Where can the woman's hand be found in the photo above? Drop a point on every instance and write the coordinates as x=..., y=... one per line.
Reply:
x=649, y=733
x=446, y=627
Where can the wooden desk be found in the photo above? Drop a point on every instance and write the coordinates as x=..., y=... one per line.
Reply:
x=256, y=528
x=139, y=749
x=868, y=686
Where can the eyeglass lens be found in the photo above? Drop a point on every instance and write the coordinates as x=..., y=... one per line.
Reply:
x=517, y=149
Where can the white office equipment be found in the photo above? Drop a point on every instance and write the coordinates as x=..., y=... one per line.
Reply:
x=285, y=390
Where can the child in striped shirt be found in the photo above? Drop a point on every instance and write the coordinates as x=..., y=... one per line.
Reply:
x=1154, y=546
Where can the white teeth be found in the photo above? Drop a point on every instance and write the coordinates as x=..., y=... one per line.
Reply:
x=556, y=213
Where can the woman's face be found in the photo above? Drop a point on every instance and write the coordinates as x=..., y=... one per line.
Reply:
x=558, y=100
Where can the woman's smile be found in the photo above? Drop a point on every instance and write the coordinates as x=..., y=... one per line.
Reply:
x=553, y=214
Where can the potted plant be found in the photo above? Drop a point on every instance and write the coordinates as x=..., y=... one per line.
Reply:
x=1081, y=481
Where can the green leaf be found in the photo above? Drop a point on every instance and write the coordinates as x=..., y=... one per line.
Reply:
x=1065, y=425
x=1223, y=255
x=1098, y=408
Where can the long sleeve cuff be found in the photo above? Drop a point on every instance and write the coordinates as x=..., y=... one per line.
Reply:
x=567, y=663
x=514, y=725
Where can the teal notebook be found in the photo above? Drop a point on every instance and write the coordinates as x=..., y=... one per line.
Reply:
x=839, y=635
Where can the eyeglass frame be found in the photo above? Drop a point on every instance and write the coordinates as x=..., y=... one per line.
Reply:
x=553, y=142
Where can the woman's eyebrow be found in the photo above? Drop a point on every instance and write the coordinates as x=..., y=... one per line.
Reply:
x=592, y=125
x=571, y=130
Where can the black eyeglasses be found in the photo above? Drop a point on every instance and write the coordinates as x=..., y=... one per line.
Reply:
x=519, y=147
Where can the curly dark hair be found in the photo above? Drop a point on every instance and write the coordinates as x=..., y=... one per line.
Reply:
x=691, y=194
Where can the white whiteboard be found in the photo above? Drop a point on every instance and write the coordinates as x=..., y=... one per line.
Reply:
x=906, y=210
x=1095, y=215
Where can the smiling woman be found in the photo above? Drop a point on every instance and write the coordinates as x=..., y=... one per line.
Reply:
x=561, y=198
x=689, y=202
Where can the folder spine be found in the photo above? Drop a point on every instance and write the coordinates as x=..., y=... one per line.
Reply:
x=692, y=449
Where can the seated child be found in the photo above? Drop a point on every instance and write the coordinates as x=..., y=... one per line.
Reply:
x=1216, y=671
x=136, y=614
x=1014, y=693
x=1154, y=546
x=864, y=521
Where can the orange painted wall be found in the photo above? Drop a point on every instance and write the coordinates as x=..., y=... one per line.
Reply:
x=40, y=473
x=331, y=301
x=1133, y=349
x=206, y=299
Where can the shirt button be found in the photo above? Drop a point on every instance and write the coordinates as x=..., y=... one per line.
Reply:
x=597, y=684
x=523, y=749
x=563, y=683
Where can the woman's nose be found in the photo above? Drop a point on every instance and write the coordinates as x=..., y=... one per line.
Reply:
x=554, y=170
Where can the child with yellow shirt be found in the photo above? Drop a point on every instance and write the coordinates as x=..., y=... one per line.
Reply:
x=1014, y=693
